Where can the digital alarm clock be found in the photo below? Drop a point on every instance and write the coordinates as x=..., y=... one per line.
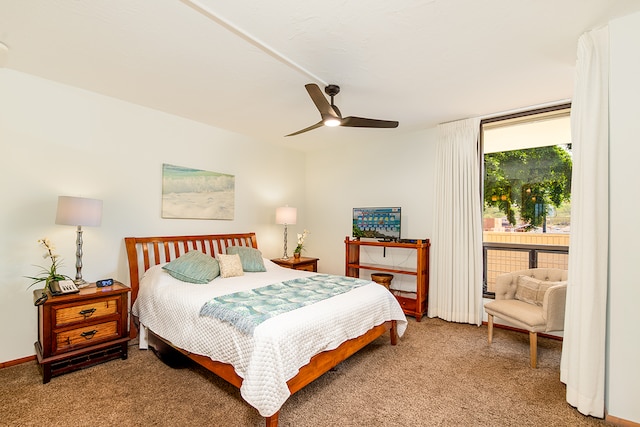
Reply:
x=104, y=282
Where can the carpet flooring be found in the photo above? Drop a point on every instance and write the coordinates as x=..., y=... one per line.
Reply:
x=439, y=374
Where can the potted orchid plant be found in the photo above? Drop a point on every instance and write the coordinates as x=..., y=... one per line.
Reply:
x=51, y=274
x=300, y=246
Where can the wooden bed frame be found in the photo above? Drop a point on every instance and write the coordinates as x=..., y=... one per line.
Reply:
x=145, y=252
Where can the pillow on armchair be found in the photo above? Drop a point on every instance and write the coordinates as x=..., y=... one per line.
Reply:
x=531, y=290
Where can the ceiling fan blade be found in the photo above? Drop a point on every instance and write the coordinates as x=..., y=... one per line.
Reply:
x=360, y=122
x=317, y=125
x=321, y=102
x=331, y=115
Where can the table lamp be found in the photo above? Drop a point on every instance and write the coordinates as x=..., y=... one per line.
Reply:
x=79, y=211
x=287, y=216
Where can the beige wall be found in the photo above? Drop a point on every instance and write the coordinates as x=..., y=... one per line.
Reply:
x=623, y=338
x=57, y=140
x=379, y=169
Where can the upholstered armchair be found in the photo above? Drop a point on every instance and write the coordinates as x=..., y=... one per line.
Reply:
x=533, y=300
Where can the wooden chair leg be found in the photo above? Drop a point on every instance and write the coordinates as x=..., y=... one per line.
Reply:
x=490, y=327
x=533, y=348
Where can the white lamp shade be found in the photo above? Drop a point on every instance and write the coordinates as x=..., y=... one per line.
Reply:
x=79, y=211
x=286, y=215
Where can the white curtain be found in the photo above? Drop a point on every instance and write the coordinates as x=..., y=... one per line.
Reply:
x=582, y=365
x=455, y=288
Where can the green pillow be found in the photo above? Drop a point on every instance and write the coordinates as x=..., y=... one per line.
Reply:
x=251, y=258
x=194, y=267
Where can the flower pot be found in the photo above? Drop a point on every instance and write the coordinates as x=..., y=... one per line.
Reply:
x=52, y=284
x=296, y=255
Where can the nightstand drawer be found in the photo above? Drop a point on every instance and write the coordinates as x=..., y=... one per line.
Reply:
x=407, y=304
x=88, y=335
x=88, y=311
x=306, y=267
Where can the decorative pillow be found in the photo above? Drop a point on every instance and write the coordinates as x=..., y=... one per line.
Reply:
x=543, y=289
x=527, y=289
x=230, y=265
x=194, y=267
x=532, y=290
x=250, y=258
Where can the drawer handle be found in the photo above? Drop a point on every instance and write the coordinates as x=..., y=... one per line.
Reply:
x=88, y=334
x=88, y=312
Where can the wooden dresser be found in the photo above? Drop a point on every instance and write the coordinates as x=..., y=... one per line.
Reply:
x=82, y=329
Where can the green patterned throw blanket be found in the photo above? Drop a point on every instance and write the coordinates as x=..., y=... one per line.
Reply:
x=246, y=310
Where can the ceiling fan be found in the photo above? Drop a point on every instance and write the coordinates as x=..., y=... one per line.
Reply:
x=331, y=115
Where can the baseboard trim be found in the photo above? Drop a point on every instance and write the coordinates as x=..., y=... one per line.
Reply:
x=511, y=328
x=619, y=422
x=17, y=361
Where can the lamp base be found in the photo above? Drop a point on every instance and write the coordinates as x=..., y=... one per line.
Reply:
x=81, y=283
x=285, y=256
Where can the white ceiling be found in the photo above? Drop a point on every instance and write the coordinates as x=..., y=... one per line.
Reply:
x=241, y=65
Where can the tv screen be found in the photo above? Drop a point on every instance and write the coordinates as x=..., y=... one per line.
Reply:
x=377, y=223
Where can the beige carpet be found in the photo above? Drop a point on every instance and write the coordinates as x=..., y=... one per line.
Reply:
x=440, y=374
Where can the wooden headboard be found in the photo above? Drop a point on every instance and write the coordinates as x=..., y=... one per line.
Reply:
x=145, y=252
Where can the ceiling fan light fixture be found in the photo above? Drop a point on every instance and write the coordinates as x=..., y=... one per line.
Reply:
x=331, y=122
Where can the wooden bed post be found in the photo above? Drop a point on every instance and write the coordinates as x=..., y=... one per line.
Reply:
x=272, y=421
x=393, y=332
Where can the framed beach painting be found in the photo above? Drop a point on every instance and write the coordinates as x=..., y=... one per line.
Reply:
x=189, y=193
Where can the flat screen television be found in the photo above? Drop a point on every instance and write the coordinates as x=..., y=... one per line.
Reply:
x=377, y=223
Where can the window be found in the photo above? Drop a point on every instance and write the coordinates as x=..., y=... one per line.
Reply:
x=526, y=191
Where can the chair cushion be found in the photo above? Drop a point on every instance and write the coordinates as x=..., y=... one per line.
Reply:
x=524, y=315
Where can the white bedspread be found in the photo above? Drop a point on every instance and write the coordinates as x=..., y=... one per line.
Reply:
x=280, y=346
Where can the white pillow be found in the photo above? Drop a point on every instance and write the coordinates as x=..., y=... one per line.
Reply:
x=230, y=265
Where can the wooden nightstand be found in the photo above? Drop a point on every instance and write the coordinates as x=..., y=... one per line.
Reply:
x=303, y=263
x=82, y=329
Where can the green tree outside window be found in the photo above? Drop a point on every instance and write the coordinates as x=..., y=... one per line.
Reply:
x=529, y=181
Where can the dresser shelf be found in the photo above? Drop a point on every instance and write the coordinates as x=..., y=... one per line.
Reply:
x=413, y=303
